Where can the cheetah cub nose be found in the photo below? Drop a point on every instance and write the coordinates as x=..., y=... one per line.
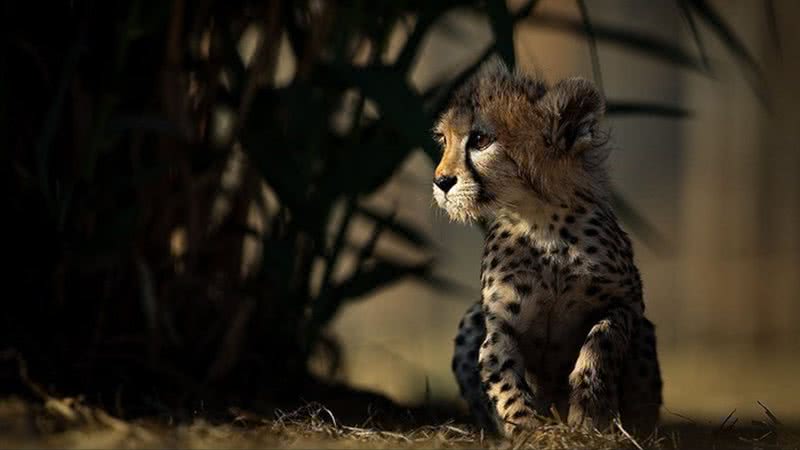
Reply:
x=445, y=182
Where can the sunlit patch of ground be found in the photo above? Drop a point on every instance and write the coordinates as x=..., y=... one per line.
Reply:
x=68, y=423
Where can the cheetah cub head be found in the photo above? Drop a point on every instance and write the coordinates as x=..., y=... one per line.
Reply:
x=511, y=142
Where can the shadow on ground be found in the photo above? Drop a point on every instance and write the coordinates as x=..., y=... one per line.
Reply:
x=355, y=420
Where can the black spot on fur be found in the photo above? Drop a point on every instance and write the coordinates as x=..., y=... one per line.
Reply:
x=511, y=401
x=506, y=329
x=476, y=320
x=520, y=414
x=523, y=289
x=567, y=236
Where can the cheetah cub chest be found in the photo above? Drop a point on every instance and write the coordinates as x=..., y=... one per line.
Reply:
x=560, y=325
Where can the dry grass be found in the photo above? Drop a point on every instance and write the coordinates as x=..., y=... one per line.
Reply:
x=69, y=423
x=53, y=422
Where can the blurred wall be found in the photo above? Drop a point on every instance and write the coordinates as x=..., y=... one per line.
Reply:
x=720, y=186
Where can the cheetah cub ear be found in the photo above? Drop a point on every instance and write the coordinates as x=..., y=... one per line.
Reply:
x=572, y=109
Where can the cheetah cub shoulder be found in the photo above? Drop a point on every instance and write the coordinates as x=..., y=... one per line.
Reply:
x=560, y=325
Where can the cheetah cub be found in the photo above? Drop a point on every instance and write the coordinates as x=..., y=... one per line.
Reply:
x=560, y=326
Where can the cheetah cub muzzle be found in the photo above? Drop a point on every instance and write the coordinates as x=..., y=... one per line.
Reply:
x=560, y=325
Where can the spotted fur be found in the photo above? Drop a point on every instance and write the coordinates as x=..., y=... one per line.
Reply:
x=560, y=325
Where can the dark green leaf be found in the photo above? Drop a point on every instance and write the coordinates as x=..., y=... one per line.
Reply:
x=150, y=123
x=774, y=31
x=283, y=149
x=329, y=300
x=647, y=44
x=709, y=15
x=44, y=144
x=640, y=225
x=445, y=284
x=503, y=29
x=525, y=10
x=332, y=255
x=687, y=14
x=436, y=97
x=589, y=29
x=411, y=47
x=404, y=230
x=385, y=143
x=398, y=103
x=381, y=274
x=645, y=109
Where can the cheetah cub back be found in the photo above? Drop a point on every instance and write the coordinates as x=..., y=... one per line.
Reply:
x=560, y=324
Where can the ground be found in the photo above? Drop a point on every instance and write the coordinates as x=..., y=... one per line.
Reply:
x=69, y=423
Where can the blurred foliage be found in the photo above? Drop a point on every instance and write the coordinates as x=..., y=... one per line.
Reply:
x=140, y=136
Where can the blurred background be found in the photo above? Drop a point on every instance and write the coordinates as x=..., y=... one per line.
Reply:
x=215, y=203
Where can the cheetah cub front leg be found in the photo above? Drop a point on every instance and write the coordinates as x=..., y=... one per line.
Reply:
x=502, y=370
x=490, y=372
x=468, y=341
x=594, y=397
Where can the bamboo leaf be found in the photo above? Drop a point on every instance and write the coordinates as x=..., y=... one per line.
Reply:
x=503, y=29
x=774, y=31
x=144, y=122
x=687, y=15
x=398, y=103
x=330, y=299
x=646, y=109
x=646, y=44
x=410, y=50
x=401, y=229
x=436, y=97
x=525, y=10
x=587, y=26
x=381, y=274
x=640, y=226
x=52, y=120
x=754, y=76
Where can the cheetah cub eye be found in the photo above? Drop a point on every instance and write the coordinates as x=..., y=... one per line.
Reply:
x=440, y=139
x=479, y=140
